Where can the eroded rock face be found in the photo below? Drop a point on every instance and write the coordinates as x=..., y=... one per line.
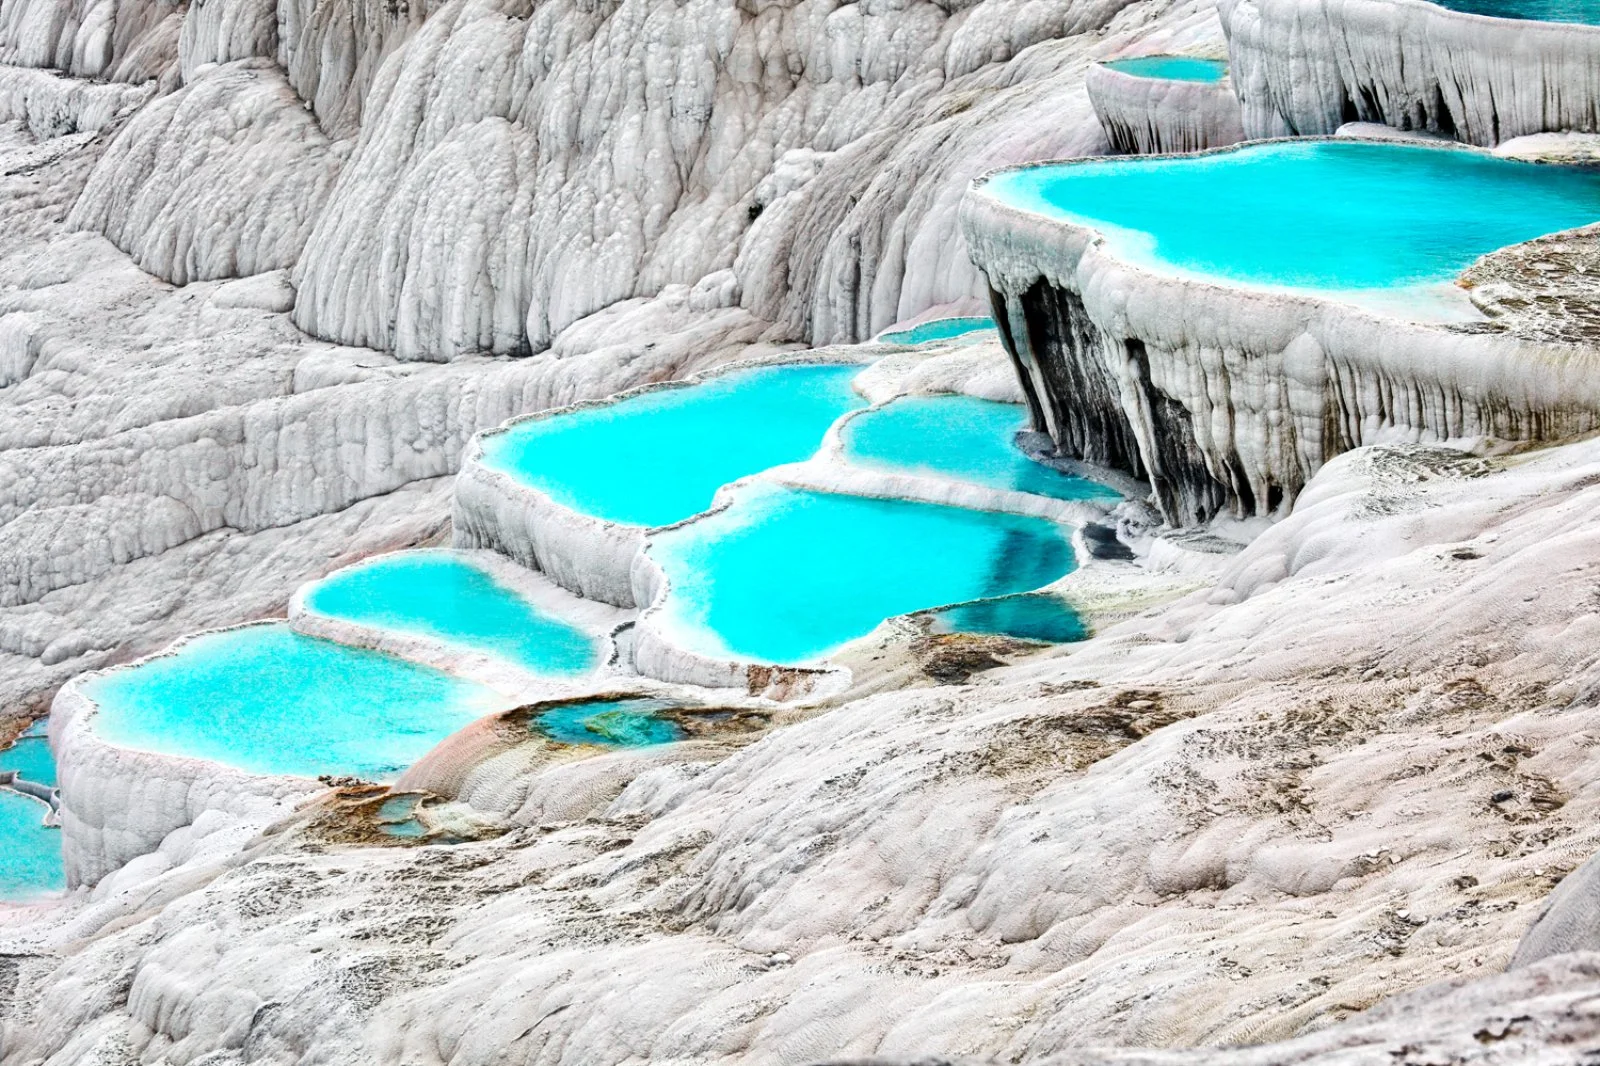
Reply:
x=1157, y=115
x=1308, y=66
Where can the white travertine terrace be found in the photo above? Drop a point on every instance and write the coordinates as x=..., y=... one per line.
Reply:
x=1148, y=115
x=1306, y=67
x=1230, y=398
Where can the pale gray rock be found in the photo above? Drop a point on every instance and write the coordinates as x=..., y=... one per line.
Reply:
x=1158, y=115
x=1306, y=67
x=169, y=188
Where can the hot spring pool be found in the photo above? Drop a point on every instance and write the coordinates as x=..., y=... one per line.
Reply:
x=441, y=595
x=959, y=437
x=658, y=458
x=1321, y=215
x=1582, y=11
x=937, y=329
x=30, y=851
x=1171, y=68
x=611, y=723
x=787, y=576
x=270, y=701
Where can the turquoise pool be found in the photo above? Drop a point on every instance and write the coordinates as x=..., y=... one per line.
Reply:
x=959, y=437
x=658, y=458
x=440, y=595
x=1028, y=616
x=937, y=329
x=1171, y=68
x=611, y=724
x=31, y=865
x=787, y=576
x=270, y=701
x=1319, y=215
x=30, y=756
x=30, y=851
x=1582, y=11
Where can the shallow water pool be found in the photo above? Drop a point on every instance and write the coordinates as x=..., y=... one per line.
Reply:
x=1028, y=616
x=937, y=329
x=959, y=437
x=30, y=756
x=1319, y=215
x=30, y=851
x=440, y=595
x=1582, y=11
x=271, y=701
x=659, y=457
x=1171, y=68
x=611, y=723
x=787, y=576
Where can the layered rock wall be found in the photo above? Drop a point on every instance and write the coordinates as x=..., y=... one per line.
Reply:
x=1306, y=67
x=1146, y=116
x=1230, y=399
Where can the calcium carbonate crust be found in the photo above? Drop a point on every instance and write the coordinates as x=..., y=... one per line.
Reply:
x=120, y=803
x=590, y=556
x=1229, y=398
x=1148, y=116
x=1305, y=67
x=596, y=619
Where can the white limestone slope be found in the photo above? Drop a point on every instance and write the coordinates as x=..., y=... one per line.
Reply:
x=1230, y=398
x=1306, y=67
x=1234, y=820
x=1148, y=116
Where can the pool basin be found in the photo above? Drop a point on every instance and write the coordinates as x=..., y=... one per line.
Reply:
x=787, y=576
x=1171, y=68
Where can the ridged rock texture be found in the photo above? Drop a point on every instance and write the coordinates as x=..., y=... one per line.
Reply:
x=1150, y=116
x=1227, y=399
x=445, y=184
x=1306, y=67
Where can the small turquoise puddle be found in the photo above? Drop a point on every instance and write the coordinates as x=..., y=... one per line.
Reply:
x=439, y=595
x=30, y=851
x=658, y=458
x=270, y=701
x=1325, y=215
x=959, y=437
x=1171, y=68
x=612, y=724
x=397, y=817
x=937, y=329
x=1029, y=616
x=1584, y=11
x=787, y=576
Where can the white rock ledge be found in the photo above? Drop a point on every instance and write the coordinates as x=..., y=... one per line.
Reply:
x=582, y=553
x=1228, y=398
x=1308, y=66
x=596, y=620
x=1144, y=116
x=120, y=803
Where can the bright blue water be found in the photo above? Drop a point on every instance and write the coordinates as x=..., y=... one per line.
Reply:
x=439, y=595
x=397, y=817
x=1172, y=68
x=271, y=701
x=659, y=458
x=613, y=724
x=787, y=576
x=1029, y=616
x=30, y=851
x=1317, y=215
x=937, y=329
x=961, y=437
x=1585, y=11
x=30, y=756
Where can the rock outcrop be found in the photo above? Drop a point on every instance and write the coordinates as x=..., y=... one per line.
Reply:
x=1151, y=116
x=1306, y=67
